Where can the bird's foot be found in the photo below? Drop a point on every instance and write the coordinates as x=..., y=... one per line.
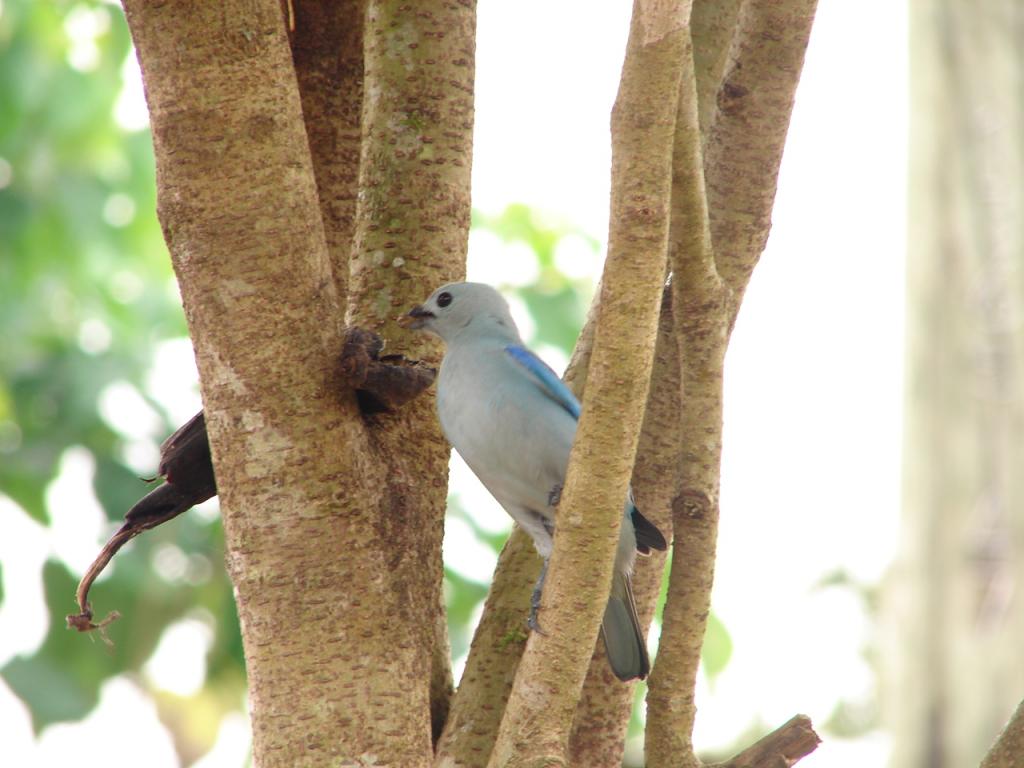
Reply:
x=532, y=622
x=555, y=496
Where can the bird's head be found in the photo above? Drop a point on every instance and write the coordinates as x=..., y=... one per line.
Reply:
x=458, y=309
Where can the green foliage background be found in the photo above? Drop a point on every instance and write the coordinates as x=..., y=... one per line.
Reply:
x=87, y=297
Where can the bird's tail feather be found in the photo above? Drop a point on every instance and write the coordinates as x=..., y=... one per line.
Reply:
x=620, y=629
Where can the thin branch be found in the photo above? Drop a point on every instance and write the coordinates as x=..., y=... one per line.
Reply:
x=744, y=147
x=479, y=703
x=594, y=740
x=538, y=717
x=599, y=726
x=700, y=323
x=691, y=256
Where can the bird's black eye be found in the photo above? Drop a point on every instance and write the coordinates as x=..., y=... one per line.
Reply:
x=444, y=299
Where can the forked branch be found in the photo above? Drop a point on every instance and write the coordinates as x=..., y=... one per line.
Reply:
x=539, y=713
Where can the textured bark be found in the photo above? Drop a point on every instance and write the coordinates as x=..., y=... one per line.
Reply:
x=744, y=147
x=599, y=728
x=333, y=522
x=261, y=308
x=694, y=327
x=701, y=330
x=327, y=48
x=413, y=220
x=261, y=273
x=498, y=643
x=781, y=748
x=712, y=27
x=538, y=717
x=953, y=606
x=602, y=717
x=411, y=234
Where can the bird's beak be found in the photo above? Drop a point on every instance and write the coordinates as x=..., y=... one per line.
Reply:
x=416, y=318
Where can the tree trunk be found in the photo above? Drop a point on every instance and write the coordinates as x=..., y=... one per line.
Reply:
x=333, y=520
x=954, y=607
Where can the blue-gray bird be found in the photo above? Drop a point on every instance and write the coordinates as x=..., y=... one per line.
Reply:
x=513, y=421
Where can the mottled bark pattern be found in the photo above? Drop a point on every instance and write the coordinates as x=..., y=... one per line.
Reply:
x=599, y=725
x=1007, y=751
x=745, y=141
x=417, y=151
x=695, y=325
x=239, y=208
x=333, y=543
x=494, y=656
x=411, y=234
x=712, y=28
x=297, y=184
x=327, y=48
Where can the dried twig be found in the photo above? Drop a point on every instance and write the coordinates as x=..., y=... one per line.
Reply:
x=781, y=748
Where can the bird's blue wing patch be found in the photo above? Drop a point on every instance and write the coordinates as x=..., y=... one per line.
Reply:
x=553, y=386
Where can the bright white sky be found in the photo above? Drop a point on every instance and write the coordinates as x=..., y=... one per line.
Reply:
x=813, y=387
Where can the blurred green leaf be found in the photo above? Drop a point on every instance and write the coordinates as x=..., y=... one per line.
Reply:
x=851, y=719
x=557, y=302
x=52, y=688
x=464, y=597
x=717, y=648
x=86, y=296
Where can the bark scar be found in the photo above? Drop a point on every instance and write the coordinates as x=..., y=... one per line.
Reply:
x=692, y=504
x=381, y=383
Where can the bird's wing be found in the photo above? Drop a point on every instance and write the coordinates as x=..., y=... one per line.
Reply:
x=648, y=537
x=546, y=379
